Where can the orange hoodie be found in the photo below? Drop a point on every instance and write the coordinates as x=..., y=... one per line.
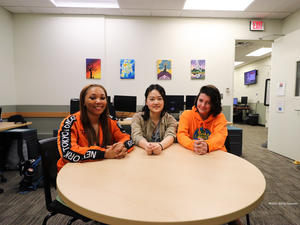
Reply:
x=213, y=130
x=73, y=144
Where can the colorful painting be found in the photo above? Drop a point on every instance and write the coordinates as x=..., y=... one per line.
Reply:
x=93, y=68
x=127, y=68
x=164, y=70
x=198, y=69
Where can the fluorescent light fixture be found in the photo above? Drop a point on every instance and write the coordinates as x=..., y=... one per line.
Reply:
x=87, y=3
x=232, y=5
x=260, y=52
x=237, y=63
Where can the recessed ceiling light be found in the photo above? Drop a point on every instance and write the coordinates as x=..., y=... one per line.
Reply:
x=86, y=3
x=237, y=63
x=260, y=52
x=232, y=5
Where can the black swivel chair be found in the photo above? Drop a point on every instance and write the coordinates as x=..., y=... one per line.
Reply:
x=50, y=155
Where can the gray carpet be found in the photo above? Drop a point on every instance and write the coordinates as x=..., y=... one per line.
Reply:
x=281, y=205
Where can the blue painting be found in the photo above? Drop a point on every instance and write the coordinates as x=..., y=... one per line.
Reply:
x=127, y=68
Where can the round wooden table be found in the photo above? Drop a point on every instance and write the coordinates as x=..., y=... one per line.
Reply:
x=175, y=187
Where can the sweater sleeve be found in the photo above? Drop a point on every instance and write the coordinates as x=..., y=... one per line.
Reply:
x=69, y=149
x=171, y=127
x=183, y=136
x=119, y=135
x=217, y=139
x=136, y=129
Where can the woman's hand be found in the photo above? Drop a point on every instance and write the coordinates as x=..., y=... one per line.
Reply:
x=149, y=148
x=109, y=153
x=120, y=150
x=200, y=147
x=115, y=151
x=153, y=148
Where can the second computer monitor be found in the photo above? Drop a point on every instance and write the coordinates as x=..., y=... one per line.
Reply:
x=124, y=103
x=244, y=100
x=174, y=103
x=190, y=101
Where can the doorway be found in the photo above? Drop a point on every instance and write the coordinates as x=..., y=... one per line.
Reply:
x=251, y=70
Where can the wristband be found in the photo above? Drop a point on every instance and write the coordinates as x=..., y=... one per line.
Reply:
x=162, y=148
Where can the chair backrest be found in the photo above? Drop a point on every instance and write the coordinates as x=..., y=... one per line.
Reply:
x=16, y=118
x=50, y=155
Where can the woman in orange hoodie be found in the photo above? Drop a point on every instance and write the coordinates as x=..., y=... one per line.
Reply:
x=203, y=129
x=91, y=134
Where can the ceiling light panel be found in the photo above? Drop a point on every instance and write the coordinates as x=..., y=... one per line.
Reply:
x=260, y=52
x=237, y=63
x=231, y=5
x=86, y=3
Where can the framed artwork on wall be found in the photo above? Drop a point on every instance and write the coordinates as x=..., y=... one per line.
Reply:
x=127, y=68
x=164, y=69
x=93, y=68
x=197, y=69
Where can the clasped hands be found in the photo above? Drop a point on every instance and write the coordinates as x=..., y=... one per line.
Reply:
x=115, y=151
x=200, y=146
x=153, y=148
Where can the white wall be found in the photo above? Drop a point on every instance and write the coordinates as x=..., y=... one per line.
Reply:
x=50, y=53
x=255, y=92
x=51, y=50
x=7, y=82
x=284, y=127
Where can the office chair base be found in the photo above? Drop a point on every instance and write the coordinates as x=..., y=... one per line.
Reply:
x=248, y=219
x=71, y=221
x=48, y=216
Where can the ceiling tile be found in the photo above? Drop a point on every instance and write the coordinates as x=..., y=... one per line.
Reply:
x=18, y=9
x=174, y=13
x=153, y=4
x=135, y=12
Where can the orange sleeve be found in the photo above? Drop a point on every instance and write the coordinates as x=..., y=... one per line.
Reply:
x=217, y=139
x=183, y=136
x=69, y=149
x=119, y=135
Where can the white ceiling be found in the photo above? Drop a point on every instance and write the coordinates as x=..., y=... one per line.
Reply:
x=265, y=9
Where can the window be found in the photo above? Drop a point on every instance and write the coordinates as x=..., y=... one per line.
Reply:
x=297, y=90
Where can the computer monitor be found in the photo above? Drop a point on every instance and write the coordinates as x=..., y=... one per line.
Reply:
x=235, y=101
x=190, y=101
x=244, y=100
x=174, y=103
x=124, y=103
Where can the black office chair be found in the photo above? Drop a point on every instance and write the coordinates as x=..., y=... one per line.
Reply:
x=50, y=155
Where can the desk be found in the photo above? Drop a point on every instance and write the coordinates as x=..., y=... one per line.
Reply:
x=7, y=126
x=176, y=187
x=12, y=125
x=240, y=113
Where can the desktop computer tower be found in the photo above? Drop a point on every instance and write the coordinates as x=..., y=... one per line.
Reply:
x=74, y=105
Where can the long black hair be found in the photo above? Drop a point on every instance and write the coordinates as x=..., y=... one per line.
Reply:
x=162, y=92
x=215, y=99
x=103, y=119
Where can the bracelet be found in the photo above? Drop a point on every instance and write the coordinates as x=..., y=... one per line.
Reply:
x=162, y=148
